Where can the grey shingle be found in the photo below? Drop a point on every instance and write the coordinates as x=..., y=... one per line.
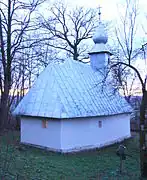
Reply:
x=68, y=90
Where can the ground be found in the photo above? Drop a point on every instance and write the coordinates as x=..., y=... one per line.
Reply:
x=25, y=163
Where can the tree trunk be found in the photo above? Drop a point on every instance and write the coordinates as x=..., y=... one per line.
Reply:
x=4, y=108
x=143, y=147
x=75, y=55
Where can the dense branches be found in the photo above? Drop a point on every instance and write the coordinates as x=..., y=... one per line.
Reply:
x=126, y=53
x=69, y=29
x=15, y=23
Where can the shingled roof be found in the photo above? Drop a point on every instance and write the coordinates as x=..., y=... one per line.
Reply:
x=68, y=90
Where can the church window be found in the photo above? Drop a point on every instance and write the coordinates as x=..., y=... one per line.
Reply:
x=100, y=124
x=44, y=123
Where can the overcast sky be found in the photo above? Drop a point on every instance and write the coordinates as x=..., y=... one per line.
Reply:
x=109, y=7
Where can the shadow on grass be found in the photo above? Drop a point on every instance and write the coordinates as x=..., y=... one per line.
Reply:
x=29, y=163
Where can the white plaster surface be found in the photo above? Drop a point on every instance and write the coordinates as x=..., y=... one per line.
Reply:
x=99, y=62
x=32, y=132
x=85, y=133
x=69, y=135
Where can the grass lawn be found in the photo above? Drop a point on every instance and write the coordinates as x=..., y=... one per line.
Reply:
x=34, y=164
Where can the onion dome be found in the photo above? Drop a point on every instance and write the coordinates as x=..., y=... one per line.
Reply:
x=100, y=35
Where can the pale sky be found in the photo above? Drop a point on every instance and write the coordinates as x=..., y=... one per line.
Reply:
x=109, y=7
x=109, y=10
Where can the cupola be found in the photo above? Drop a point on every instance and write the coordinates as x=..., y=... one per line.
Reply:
x=100, y=55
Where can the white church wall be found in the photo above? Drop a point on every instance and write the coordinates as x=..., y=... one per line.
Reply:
x=94, y=132
x=35, y=132
x=97, y=61
x=69, y=135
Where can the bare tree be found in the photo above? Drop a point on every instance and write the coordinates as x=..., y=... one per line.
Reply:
x=124, y=65
x=124, y=80
x=69, y=29
x=143, y=107
x=15, y=23
x=125, y=50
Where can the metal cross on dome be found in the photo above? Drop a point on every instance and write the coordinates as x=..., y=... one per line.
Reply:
x=99, y=13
